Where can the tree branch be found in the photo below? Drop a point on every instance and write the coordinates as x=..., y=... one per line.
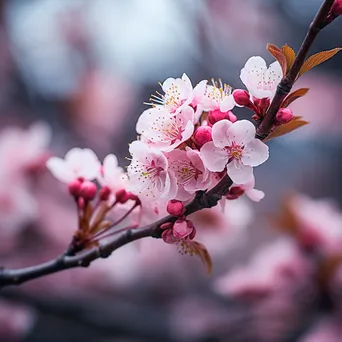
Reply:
x=286, y=84
x=202, y=199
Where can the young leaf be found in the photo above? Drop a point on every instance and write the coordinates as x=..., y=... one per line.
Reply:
x=294, y=96
x=194, y=247
x=289, y=55
x=294, y=124
x=278, y=55
x=317, y=59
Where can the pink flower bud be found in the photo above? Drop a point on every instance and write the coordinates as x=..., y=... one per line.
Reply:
x=88, y=190
x=175, y=208
x=336, y=8
x=202, y=135
x=235, y=192
x=74, y=187
x=283, y=116
x=122, y=196
x=104, y=193
x=168, y=236
x=241, y=97
x=182, y=228
x=167, y=225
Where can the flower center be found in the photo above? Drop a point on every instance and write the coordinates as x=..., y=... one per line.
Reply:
x=235, y=151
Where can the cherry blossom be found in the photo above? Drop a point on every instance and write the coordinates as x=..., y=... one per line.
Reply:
x=259, y=80
x=218, y=97
x=253, y=194
x=178, y=94
x=163, y=130
x=112, y=175
x=78, y=163
x=149, y=172
x=234, y=147
x=190, y=172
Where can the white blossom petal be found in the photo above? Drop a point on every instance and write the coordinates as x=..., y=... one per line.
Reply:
x=238, y=172
x=220, y=133
x=214, y=158
x=255, y=153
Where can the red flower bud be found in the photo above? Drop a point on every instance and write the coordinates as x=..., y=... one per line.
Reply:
x=283, y=116
x=241, y=97
x=175, y=208
x=104, y=193
x=88, y=190
x=122, y=196
x=216, y=115
x=74, y=187
x=182, y=228
x=336, y=8
x=235, y=192
x=202, y=135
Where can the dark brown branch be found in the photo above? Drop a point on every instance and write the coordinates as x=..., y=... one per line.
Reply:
x=286, y=84
x=84, y=259
x=202, y=199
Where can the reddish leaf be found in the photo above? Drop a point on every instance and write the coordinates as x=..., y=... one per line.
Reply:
x=289, y=55
x=294, y=96
x=197, y=248
x=278, y=55
x=317, y=59
x=296, y=123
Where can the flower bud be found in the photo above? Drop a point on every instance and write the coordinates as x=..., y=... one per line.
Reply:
x=104, y=193
x=182, y=228
x=88, y=190
x=336, y=8
x=216, y=115
x=202, y=135
x=74, y=188
x=241, y=97
x=122, y=196
x=283, y=116
x=168, y=236
x=175, y=208
x=235, y=192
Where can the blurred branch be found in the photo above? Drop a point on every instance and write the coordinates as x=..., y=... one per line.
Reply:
x=286, y=84
x=83, y=259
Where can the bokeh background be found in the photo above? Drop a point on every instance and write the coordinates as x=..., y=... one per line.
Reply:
x=76, y=73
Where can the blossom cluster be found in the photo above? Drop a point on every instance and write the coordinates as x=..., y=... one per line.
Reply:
x=188, y=140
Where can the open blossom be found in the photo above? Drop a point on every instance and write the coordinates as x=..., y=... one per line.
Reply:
x=234, y=147
x=190, y=172
x=77, y=163
x=259, y=80
x=149, y=172
x=163, y=130
x=218, y=97
x=112, y=175
x=179, y=93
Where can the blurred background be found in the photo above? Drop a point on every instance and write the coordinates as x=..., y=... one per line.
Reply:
x=76, y=73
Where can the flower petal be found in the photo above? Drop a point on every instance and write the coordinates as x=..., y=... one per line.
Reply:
x=220, y=133
x=238, y=172
x=227, y=103
x=255, y=153
x=59, y=168
x=255, y=194
x=214, y=158
x=241, y=132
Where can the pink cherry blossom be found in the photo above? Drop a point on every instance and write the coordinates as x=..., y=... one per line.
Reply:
x=78, y=163
x=149, y=173
x=178, y=94
x=259, y=80
x=234, y=147
x=20, y=149
x=190, y=172
x=218, y=97
x=112, y=175
x=164, y=130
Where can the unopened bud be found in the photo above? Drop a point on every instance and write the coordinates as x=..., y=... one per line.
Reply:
x=88, y=190
x=182, y=228
x=175, y=208
x=235, y=192
x=202, y=135
x=168, y=236
x=283, y=116
x=216, y=115
x=336, y=8
x=122, y=196
x=104, y=193
x=241, y=97
x=74, y=188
